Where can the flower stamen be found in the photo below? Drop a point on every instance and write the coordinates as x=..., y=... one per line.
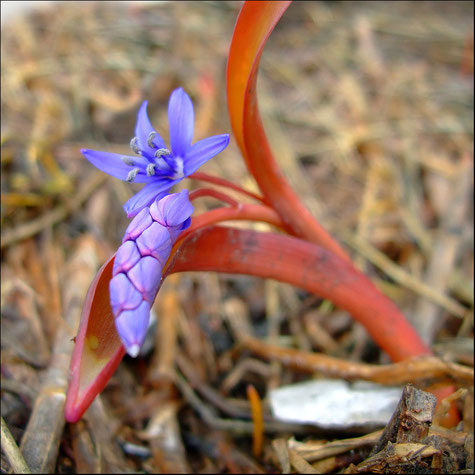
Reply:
x=150, y=138
x=162, y=152
x=151, y=161
x=128, y=161
x=134, y=146
x=150, y=169
x=132, y=174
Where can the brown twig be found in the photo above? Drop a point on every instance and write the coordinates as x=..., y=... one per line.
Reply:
x=210, y=416
x=416, y=369
x=411, y=420
x=163, y=431
x=313, y=451
x=11, y=450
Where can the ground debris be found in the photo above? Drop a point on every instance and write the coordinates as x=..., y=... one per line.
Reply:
x=408, y=446
x=369, y=107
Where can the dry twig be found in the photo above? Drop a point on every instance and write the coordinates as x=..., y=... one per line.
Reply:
x=43, y=433
x=11, y=450
x=412, y=370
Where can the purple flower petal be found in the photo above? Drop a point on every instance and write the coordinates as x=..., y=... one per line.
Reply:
x=156, y=189
x=127, y=256
x=185, y=225
x=181, y=118
x=123, y=295
x=112, y=164
x=143, y=129
x=176, y=230
x=146, y=276
x=132, y=327
x=155, y=241
x=202, y=151
x=138, y=225
x=172, y=210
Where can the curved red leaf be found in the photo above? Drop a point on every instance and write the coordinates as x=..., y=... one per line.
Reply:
x=304, y=265
x=255, y=23
x=98, y=349
x=253, y=27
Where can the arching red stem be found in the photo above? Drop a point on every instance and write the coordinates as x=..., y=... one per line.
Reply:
x=226, y=183
x=253, y=27
x=214, y=194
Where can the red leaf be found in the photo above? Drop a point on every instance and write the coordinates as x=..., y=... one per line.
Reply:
x=98, y=349
x=304, y=265
x=254, y=25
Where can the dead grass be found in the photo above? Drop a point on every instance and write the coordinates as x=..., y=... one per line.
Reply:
x=369, y=107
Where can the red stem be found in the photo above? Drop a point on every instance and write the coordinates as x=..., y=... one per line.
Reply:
x=228, y=184
x=213, y=193
x=248, y=212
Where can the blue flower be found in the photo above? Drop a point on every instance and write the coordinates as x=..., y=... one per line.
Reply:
x=153, y=163
x=138, y=265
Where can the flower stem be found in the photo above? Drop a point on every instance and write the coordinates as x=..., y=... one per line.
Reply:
x=226, y=183
x=247, y=212
x=215, y=194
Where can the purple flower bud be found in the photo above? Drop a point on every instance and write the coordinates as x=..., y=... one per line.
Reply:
x=138, y=225
x=124, y=296
x=176, y=230
x=155, y=241
x=145, y=276
x=126, y=257
x=172, y=210
x=137, y=270
x=130, y=325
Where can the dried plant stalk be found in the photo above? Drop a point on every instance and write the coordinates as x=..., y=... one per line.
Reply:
x=43, y=433
x=415, y=369
x=12, y=451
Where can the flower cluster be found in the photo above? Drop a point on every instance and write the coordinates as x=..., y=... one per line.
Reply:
x=139, y=262
x=159, y=217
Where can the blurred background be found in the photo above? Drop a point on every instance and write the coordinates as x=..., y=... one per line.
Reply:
x=369, y=109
